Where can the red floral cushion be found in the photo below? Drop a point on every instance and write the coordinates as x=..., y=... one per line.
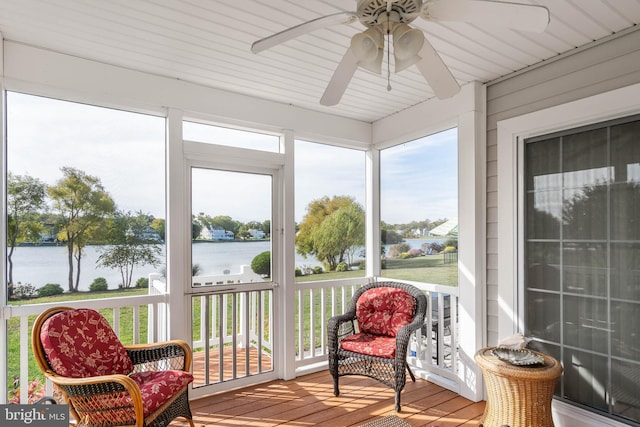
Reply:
x=383, y=311
x=158, y=386
x=80, y=343
x=371, y=345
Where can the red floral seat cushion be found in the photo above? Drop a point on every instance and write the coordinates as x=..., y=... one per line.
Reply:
x=384, y=310
x=157, y=387
x=371, y=345
x=80, y=343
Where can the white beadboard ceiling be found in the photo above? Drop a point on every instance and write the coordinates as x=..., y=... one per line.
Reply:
x=208, y=42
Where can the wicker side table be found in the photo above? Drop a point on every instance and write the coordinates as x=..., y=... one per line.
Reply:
x=518, y=396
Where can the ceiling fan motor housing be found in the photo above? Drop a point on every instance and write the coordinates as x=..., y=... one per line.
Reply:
x=374, y=12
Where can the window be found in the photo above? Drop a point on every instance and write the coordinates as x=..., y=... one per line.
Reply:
x=231, y=137
x=85, y=211
x=86, y=185
x=582, y=258
x=231, y=226
x=329, y=212
x=419, y=209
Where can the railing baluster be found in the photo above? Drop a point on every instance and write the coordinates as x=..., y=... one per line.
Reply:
x=300, y=325
x=323, y=321
x=260, y=321
x=116, y=321
x=312, y=323
x=205, y=310
x=136, y=324
x=24, y=354
x=247, y=297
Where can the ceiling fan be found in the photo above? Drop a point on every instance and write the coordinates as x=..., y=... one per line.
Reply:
x=391, y=18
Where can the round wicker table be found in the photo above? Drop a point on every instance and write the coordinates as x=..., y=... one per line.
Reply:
x=518, y=396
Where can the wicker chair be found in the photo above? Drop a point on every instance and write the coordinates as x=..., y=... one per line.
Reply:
x=372, y=337
x=106, y=383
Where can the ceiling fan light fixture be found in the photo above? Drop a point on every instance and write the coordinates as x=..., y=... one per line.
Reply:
x=407, y=42
x=374, y=65
x=367, y=47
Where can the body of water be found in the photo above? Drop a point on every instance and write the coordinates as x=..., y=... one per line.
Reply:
x=39, y=265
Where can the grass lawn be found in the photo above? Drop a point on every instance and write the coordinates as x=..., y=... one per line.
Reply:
x=428, y=268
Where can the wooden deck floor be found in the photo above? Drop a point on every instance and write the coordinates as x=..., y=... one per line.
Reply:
x=309, y=401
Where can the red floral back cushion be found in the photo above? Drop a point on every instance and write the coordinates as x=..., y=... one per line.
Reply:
x=384, y=310
x=80, y=343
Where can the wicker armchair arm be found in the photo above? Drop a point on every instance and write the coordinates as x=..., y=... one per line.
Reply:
x=175, y=354
x=404, y=335
x=95, y=389
x=116, y=382
x=333, y=328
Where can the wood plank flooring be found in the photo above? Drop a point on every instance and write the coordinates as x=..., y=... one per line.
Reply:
x=309, y=401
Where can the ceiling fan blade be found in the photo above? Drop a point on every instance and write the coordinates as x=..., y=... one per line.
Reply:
x=525, y=17
x=436, y=72
x=304, y=28
x=340, y=80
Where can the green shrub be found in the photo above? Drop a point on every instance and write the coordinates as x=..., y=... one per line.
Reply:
x=98, y=284
x=261, y=264
x=396, y=250
x=50, y=289
x=142, y=282
x=317, y=270
x=343, y=266
x=298, y=272
x=433, y=247
x=449, y=249
x=452, y=241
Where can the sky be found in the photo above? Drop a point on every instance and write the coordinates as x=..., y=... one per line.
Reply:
x=419, y=178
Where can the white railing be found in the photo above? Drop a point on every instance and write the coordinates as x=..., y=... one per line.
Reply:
x=215, y=325
x=214, y=322
x=135, y=307
x=433, y=350
x=232, y=326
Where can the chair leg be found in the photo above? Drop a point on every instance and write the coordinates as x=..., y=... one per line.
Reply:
x=413, y=377
x=397, y=401
x=336, y=389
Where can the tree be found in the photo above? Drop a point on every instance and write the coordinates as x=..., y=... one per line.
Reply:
x=266, y=227
x=196, y=228
x=129, y=246
x=25, y=197
x=158, y=224
x=83, y=205
x=330, y=229
x=226, y=223
x=244, y=230
x=388, y=235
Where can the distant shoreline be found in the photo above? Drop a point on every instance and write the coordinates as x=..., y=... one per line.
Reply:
x=230, y=241
x=32, y=244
